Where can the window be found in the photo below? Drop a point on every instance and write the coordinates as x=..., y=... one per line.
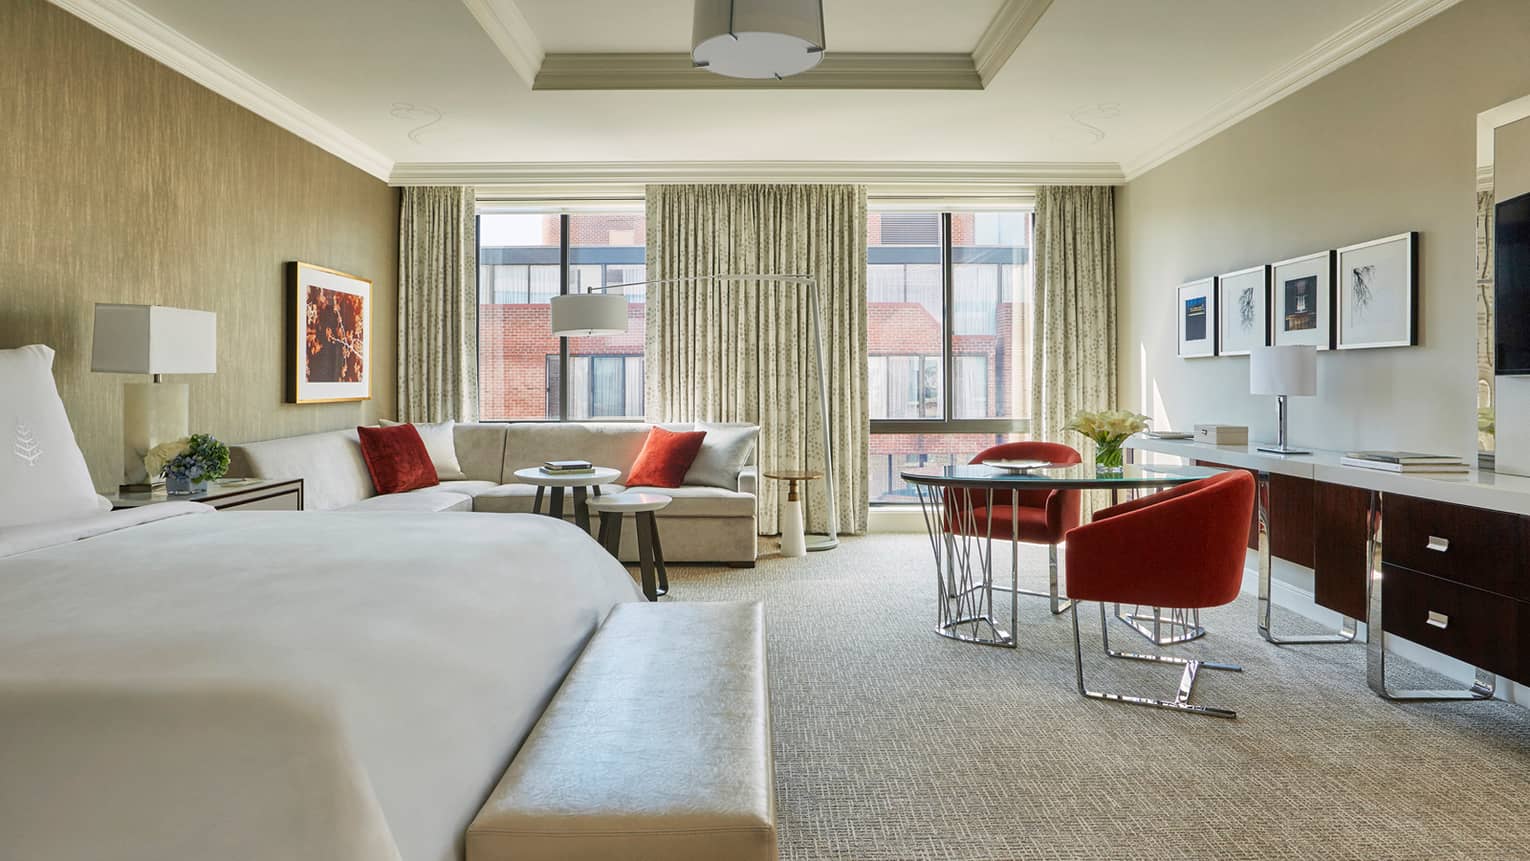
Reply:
x=948, y=297
x=524, y=260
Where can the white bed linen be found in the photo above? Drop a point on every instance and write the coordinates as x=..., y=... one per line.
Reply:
x=279, y=685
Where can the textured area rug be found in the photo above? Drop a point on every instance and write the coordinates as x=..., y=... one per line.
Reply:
x=894, y=743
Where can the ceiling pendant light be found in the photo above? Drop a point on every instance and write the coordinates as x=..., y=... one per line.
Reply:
x=757, y=38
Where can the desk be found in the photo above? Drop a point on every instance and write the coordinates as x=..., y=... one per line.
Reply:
x=951, y=498
x=1487, y=515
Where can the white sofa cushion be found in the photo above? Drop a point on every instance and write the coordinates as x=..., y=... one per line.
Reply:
x=441, y=444
x=690, y=501
x=330, y=464
x=43, y=476
x=480, y=450
x=466, y=488
x=613, y=444
x=413, y=501
x=725, y=450
x=519, y=498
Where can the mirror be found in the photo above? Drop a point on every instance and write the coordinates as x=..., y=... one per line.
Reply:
x=1503, y=174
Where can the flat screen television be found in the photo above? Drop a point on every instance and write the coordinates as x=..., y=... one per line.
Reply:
x=1511, y=287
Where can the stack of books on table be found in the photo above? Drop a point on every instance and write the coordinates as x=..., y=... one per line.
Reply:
x=568, y=467
x=1404, y=461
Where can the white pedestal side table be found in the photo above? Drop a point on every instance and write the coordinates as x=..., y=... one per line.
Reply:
x=650, y=552
x=793, y=541
x=580, y=483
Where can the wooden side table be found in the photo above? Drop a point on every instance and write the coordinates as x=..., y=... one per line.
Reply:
x=228, y=494
x=793, y=540
x=650, y=551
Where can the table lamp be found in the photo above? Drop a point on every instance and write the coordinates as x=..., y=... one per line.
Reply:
x=153, y=340
x=1283, y=372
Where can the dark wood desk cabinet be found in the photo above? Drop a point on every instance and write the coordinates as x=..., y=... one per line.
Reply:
x=1457, y=580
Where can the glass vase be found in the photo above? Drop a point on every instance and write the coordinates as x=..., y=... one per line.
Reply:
x=1109, y=458
x=183, y=486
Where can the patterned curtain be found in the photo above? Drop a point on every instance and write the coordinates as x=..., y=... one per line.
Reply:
x=742, y=351
x=1073, y=365
x=437, y=305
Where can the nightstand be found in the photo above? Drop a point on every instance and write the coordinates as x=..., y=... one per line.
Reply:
x=229, y=494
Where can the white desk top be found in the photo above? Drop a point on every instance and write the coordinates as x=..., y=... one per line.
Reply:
x=1479, y=489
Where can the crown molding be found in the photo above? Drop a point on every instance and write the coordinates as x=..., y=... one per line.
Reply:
x=139, y=30
x=508, y=28
x=837, y=71
x=1014, y=22
x=1330, y=54
x=625, y=180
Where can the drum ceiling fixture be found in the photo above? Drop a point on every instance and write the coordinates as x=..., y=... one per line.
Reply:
x=757, y=38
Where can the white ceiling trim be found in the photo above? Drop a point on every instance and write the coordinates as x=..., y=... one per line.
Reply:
x=902, y=180
x=507, y=26
x=1343, y=47
x=142, y=31
x=1014, y=21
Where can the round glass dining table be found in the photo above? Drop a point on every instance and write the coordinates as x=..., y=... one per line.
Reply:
x=957, y=501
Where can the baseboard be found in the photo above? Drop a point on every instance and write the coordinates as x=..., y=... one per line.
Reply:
x=895, y=519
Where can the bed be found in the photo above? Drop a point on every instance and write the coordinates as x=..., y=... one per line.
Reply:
x=182, y=683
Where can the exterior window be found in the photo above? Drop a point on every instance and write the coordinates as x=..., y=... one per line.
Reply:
x=948, y=337
x=525, y=259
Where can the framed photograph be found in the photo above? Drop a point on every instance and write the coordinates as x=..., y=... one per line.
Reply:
x=1243, y=311
x=1378, y=293
x=329, y=335
x=1302, y=301
x=1196, y=309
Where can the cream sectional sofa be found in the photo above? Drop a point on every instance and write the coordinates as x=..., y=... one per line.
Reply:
x=703, y=524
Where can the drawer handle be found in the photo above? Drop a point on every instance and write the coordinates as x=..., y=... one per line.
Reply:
x=1438, y=620
x=1438, y=544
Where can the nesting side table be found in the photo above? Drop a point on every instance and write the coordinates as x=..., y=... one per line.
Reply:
x=650, y=552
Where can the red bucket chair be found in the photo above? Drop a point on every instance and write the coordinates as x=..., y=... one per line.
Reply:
x=1181, y=548
x=1029, y=516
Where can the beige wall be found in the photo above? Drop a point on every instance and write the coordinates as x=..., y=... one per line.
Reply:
x=121, y=181
x=1382, y=146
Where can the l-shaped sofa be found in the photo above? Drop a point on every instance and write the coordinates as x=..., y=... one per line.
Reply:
x=702, y=524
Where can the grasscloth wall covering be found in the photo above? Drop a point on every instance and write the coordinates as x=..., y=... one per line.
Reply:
x=122, y=181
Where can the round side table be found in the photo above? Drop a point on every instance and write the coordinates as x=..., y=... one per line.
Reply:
x=580, y=483
x=793, y=541
x=650, y=552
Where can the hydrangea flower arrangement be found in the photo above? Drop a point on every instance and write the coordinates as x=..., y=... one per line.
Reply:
x=188, y=463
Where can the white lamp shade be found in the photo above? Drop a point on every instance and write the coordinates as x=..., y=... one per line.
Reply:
x=757, y=38
x=589, y=314
x=1286, y=370
x=152, y=339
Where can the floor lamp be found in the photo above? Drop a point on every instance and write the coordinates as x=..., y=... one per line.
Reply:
x=602, y=312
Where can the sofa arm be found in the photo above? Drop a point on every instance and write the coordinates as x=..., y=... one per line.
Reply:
x=749, y=480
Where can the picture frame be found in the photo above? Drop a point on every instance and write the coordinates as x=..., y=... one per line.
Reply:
x=1376, y=293
x=329, y=335
x=1301, y=300
x=1243, y=311
x=1195, y=311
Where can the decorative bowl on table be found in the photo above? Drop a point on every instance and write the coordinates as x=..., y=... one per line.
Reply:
x=1018, y=466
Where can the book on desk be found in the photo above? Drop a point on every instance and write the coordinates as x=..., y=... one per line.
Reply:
x=1404, y=461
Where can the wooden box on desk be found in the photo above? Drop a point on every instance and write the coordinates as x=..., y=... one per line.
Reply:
x=1222, y=434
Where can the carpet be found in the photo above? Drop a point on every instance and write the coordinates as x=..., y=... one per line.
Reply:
x=894, y=743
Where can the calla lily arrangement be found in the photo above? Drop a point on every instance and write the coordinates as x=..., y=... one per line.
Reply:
x=1108, y=429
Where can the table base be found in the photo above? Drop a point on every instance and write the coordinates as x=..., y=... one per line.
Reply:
x=1183, y=625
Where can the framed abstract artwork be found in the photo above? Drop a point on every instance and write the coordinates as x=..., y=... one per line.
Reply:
x=1302, y=301
x=1195, y=308
x=329, y=335
x=1377, y=293
x=1243, y=311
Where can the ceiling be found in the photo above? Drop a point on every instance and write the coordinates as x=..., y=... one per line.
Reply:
x=1110, y=87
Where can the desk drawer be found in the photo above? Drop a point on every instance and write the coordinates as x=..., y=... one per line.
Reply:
x=1486, y=549
x=1478, y=627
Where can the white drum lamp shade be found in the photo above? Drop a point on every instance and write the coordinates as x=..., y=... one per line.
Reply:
x=152, y=339
x=1286, y=370
x=576, y=314
x=757, y=38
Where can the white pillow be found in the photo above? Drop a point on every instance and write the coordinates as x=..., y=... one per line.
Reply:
x=724, y=451
x=43, y=476
x=441, y=443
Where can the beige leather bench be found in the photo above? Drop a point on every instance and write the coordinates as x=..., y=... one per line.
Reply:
x=657, y=746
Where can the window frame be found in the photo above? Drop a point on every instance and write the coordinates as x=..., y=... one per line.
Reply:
x=947, y=423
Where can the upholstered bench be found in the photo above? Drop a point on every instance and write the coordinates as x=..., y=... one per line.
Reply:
x=657, y=746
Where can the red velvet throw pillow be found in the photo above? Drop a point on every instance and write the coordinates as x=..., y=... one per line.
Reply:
x=397, y=458
x=665, y=459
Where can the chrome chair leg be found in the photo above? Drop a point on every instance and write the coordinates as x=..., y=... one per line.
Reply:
x=1181, y=701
